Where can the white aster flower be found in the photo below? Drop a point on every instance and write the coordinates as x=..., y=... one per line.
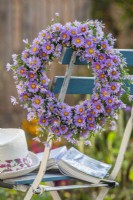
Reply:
x=87, y=142
x=36, y=139
x=57, y=14
x=25, y=41
x=130, y=97
x=31, y=116
x=13, y=100
x=8, y=66
x=14, y=56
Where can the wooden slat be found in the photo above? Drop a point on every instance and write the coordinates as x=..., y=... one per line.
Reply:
x=28, y=179
x=77, y=85
x=127, y=53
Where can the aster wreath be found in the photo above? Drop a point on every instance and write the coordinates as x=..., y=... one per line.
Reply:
x=109, y=68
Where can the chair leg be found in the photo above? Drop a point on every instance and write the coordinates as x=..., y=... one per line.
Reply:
x=42, y=169
x=55, y=195
x=120, y=157
x=102, y=194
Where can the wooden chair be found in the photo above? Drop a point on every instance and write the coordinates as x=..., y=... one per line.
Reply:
x=70, y=85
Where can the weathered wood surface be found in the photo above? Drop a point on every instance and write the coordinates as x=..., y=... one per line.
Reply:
x=78, y=85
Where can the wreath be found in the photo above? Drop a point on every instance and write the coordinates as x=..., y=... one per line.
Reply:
x=91, y=45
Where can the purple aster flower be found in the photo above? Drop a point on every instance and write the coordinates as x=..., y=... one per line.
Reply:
x=90, y=52
x=48, y=48
x=73, y=31
x=43, y=55
x=128, y=109
x=56, y=130
x=49, y=35
x=56, y=27
x=78, y=41
x=65, y=36
x=83, y=29
x=43, y=121
x=98, y=107
x=109, y=101
x=24, y=96
x=63, y=129
x=114, y=74
x=109, y=63
x=33, y=86
x=95, y=97
x=50, y=107
x=79, y=121
x=62, y=105
x=102, y=122
x=37, y=101
x=104, y=93
x=88, y=42
x=34, y=62
x=92, y=112
x=104, y=45
x=43, y=90
x=96, y=66
x=68, y=135
x=80, y=109
x=90, y=118
x=119, y=104
x=36, y=41
x=109, y=110
x=22, y=71
x=55, y=122
x=87, y=104
x=116, y=60
x=112, y=125
x=58, y=51
x=91, y=126
x=44, y=80
x=49, y=94
x=95, y=40
x=25, y=55
x=102, y=76
x=84, y=133
x=43, y=34
x=31, y=76
x=34, y=49
x=102, y=57
x=114, y=87
x=66, y=113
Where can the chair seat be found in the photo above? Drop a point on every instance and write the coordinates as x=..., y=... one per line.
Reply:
x=57, y=176
x=29, y=178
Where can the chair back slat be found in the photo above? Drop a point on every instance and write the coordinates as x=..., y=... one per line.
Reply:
x=77, y=85
x=66, y=56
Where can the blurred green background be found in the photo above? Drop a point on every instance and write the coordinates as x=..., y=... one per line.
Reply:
x=21, y=19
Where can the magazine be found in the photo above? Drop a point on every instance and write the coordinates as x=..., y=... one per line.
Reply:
x=78, y=165
x=55, y=155
x=75, y=164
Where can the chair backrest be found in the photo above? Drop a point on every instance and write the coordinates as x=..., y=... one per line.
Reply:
x=79, y=85
x=84, y=85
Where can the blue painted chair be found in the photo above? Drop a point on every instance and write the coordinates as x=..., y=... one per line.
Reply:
x=70, y=85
